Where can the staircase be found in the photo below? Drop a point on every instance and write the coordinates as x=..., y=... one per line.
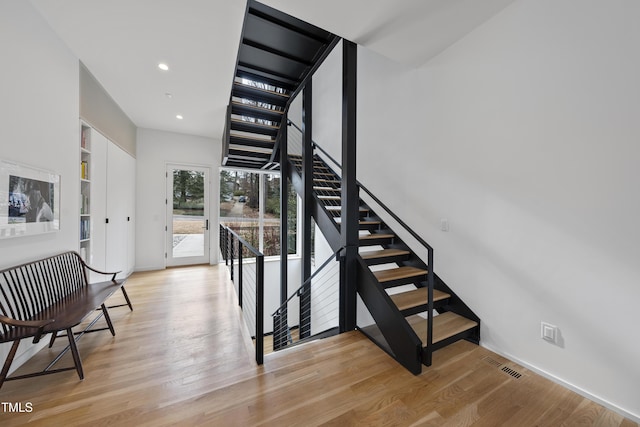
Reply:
x=277, y=54
x=415, y=313
x=393, y=280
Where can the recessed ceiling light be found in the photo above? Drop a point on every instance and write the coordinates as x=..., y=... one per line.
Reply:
x=163, y=66
x=179, y=117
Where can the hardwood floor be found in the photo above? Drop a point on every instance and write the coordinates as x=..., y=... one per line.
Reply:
x=183, y=358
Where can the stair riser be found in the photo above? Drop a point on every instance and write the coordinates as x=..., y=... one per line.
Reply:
x=468, y=335
x=370, y=227
x=375, y=242
x=406, y=281
x=422, y=308
x=385, y=260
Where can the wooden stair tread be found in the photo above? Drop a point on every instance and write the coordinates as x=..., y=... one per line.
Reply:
x=376, y=236
x=445, y=326
x=384, y=253
x=416, y=298
x=398, y=273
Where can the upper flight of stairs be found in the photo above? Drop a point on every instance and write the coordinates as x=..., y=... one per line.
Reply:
x=277, y=54
x=396, y=270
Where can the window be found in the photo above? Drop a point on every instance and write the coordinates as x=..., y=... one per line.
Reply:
x=250, y=205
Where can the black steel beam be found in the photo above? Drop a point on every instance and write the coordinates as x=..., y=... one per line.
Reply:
x=349, y=226
x=307, y=201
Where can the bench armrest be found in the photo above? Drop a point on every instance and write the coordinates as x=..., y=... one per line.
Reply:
x=35, y=324
x=113, y=275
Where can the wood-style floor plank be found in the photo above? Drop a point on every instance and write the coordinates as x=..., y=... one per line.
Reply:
x=183, y=357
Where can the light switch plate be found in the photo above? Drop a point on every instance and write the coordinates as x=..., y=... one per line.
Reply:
x=548, y=332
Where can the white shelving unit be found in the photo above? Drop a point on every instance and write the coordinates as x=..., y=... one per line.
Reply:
x=85, y=192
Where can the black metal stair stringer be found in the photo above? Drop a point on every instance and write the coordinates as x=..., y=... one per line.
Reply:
x=395, y=335
x=277, y=55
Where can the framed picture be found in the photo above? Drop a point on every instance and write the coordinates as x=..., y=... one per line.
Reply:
x=29, y=200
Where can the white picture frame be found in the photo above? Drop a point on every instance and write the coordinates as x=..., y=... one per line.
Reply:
x=29, y=200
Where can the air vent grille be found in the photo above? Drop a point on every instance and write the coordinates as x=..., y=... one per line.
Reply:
x=492, y=361
x=513, y=373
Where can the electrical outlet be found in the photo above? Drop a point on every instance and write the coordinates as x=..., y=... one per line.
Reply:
x=444, y=224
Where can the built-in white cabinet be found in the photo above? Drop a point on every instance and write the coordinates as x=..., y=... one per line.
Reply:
x=120, y=209
x=108, y=213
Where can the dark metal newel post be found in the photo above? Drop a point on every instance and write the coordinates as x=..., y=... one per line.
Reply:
x=240, y=273
x=284, y=208
x=307, y=200
x=260, y=309
x=349, y=227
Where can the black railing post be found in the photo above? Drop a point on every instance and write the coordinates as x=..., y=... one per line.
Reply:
x=260, y=309
x=223, y=244
x=349, y=227
x=430, y=284
x=240, y=273
x=307, y=205
x=284, y=209
x=231, y=254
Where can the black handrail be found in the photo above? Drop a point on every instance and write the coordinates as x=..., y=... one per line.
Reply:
x=420, y=240
x=382, y=205
x=230, y=234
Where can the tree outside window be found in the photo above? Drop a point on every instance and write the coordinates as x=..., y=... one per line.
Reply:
x=250, y=205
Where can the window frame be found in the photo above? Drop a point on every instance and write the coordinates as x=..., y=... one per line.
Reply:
x=261, y=209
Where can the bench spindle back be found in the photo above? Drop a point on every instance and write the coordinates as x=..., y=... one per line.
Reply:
x=29, y=288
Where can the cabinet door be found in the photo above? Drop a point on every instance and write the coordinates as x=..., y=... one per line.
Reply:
x=98, y=202
x=120, y=207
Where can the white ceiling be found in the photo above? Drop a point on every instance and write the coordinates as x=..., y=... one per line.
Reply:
x=122, y=41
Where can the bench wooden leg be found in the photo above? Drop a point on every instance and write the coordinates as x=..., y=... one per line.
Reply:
x=8, y=361
x=54, y=335
x=126, y=297
x=108, y=319
x=74, y=353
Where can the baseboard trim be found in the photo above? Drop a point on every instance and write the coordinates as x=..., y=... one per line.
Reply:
x=572, y=387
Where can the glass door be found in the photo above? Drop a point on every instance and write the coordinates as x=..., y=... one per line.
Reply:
x=187, y=215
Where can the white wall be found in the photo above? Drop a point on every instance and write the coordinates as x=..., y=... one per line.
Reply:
x=154, y=150
x=39, y=126
x=327, y=102
x=524, y=135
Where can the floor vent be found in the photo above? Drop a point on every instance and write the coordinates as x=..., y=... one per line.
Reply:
x=492, y=362
x=514, y=374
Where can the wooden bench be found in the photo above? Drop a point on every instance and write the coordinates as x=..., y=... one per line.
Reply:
x=52, y=295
